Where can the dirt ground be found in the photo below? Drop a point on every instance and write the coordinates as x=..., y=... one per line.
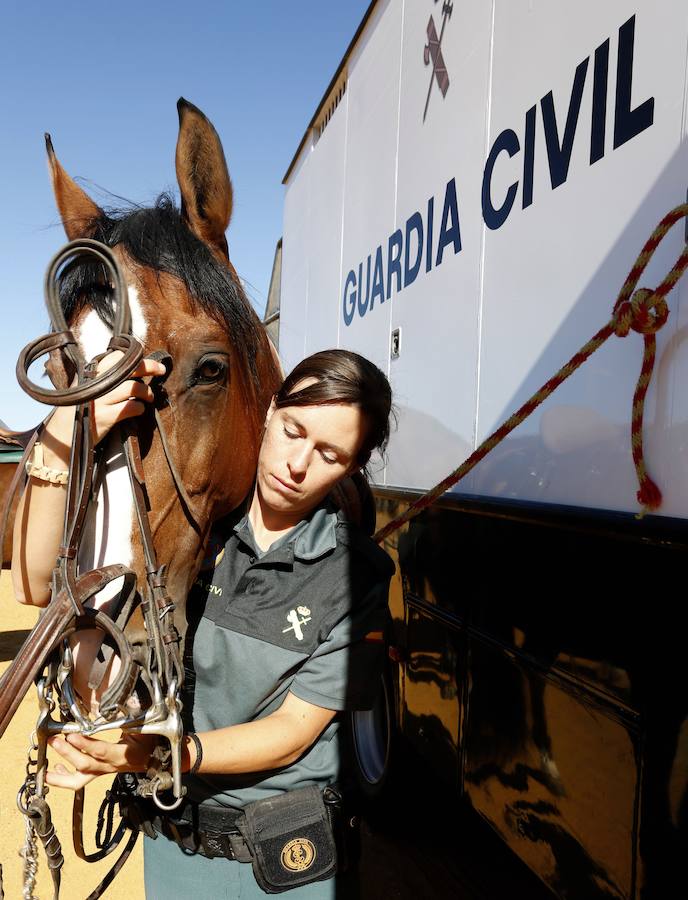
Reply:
x=78, y=878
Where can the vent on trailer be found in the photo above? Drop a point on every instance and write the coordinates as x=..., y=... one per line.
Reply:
x=330, y=106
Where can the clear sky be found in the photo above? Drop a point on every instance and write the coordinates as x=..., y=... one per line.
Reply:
x=104, y=80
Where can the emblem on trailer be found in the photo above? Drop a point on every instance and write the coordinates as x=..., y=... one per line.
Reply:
x=432, y=53
x=298, y=855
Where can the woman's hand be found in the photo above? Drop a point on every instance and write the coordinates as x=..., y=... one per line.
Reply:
x=91, y=758
x=126, y=400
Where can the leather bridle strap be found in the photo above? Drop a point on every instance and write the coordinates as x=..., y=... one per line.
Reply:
x=63, y=339
x=157, y=607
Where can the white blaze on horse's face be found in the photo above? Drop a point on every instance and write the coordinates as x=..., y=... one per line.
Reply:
x=107, y=536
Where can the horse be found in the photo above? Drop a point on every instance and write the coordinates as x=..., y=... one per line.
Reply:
x=188, y=307
x=188, y=302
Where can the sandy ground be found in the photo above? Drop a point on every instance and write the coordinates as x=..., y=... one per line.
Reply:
x=78, y=878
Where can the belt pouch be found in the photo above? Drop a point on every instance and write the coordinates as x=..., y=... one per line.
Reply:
x=290, y=838
x=344, y=823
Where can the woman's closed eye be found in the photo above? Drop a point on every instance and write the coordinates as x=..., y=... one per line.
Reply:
x=327, y=455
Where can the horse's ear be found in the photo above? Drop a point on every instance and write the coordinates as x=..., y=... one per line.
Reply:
x=79, y=214
x=203, y=179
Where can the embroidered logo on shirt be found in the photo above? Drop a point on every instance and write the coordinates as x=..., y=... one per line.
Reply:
x=298, y=617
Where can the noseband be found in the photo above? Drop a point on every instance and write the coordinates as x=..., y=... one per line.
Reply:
x=158, y=661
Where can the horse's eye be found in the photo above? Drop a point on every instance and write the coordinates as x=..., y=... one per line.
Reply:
x=210, y=370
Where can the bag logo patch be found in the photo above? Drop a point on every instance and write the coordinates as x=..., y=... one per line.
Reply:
x=298, y=855
x=297, y=617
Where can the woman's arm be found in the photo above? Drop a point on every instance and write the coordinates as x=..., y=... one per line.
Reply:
x=265, y=744
x=39, y=518
x=40, y=513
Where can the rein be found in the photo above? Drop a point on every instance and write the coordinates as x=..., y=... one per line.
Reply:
x=158, y=662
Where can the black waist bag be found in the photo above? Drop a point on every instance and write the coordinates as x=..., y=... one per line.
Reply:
x=290, y=838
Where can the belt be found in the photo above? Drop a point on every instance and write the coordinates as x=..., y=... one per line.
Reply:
x=206, y=830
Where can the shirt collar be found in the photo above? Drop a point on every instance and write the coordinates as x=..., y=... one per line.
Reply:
x=310, y=539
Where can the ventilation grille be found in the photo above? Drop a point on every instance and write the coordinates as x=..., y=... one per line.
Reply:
x=329, y=107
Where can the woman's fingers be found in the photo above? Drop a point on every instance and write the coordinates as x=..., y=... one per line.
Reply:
x=147, y=367
x=129, y=390
x=63, y=778
x=130, y=754
x=88, y=756
x=126, y=400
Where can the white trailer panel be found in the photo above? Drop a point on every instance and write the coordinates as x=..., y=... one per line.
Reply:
x=491, y=214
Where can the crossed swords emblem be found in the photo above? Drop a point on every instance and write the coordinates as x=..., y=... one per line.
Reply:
x=433, y=53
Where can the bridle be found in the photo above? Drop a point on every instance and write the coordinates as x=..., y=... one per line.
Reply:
x=158, y=662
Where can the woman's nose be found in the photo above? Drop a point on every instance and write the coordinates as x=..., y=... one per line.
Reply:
x=298, y=464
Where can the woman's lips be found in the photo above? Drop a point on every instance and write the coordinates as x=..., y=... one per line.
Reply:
x=285, y=486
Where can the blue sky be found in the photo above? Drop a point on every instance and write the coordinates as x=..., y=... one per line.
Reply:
x=104, y=80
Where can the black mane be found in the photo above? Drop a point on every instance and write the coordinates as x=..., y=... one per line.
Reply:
x=158, y=238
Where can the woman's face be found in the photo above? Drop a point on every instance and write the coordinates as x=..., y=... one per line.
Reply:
x=306, y=450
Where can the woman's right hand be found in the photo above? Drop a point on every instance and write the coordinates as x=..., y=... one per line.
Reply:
x=125, y=401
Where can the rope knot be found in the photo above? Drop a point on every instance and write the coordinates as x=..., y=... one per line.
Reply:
x=646, y=312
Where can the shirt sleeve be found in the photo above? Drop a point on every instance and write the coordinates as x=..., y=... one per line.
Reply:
x=343, y=672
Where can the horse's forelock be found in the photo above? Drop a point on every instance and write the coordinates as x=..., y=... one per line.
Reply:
x=157, y=238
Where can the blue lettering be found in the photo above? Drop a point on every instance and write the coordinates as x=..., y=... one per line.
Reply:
x=628, y=122
x=559, y=156
x=394, y=260
x=495, y=218
x=449, y=233
x=378, y=278
x=599, y=102
x=414, y=223
x=363, y=306
x=428, y=251
x=349, y=298
x=529, y=157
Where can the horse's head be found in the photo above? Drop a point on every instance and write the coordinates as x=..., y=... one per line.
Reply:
x=187, y=302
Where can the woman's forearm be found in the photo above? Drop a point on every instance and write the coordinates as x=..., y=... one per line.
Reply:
x=264, y=744
x=40, y=513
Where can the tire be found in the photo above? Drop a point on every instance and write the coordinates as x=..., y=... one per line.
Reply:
x=371, y=734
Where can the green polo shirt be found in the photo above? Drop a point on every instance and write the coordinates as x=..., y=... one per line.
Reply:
x=306, y=616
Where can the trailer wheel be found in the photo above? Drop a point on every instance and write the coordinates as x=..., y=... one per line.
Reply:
x=371, y=733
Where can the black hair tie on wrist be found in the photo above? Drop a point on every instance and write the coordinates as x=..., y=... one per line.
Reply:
x=199, y=753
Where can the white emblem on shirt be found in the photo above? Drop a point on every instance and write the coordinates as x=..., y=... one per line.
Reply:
x=296, y=622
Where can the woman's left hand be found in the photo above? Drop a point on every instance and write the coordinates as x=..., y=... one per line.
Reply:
x=91, y=758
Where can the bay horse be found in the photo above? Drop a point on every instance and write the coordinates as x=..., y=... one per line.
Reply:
x=187, y=306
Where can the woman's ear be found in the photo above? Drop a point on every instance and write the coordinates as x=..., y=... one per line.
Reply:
x=271, y=409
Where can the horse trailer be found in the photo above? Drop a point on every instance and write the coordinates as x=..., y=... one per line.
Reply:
x=463, y=209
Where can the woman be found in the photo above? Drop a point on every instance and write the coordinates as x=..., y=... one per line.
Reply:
x=286, y=624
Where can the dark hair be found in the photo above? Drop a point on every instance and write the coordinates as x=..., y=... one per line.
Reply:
x=158, y=238
x=343, y=376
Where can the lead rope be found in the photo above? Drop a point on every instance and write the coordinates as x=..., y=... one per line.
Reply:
x=644, y=311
